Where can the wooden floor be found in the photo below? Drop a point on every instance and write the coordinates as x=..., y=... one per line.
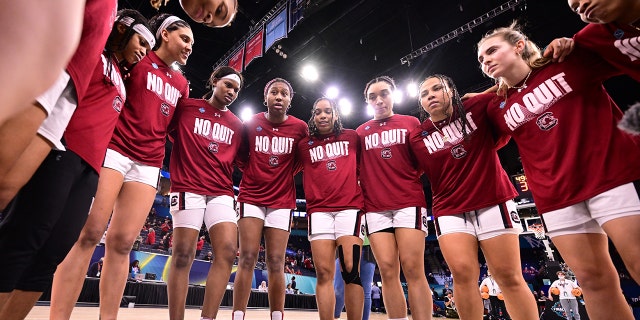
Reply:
x=88, y=313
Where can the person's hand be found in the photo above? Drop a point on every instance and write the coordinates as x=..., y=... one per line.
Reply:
x=559, y=49
x=469, y=95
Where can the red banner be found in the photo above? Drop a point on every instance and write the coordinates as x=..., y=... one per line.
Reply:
x=235, y=61
x=253, y=47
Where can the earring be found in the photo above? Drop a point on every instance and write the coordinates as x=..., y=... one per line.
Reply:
x=264, y=103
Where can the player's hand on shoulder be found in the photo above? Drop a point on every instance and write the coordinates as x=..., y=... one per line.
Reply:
x=559, y=49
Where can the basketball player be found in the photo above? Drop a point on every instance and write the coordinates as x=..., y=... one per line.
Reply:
x=212, y=13
x=23, y=150
x=329, y=157
x=472, y=204
x=567, y=299
x=55, y=25
x=395, y=210
x=267, y=195
x=565, y=126
x=613, y=31
x=207, y=136
x=36, y=235
x=129, y=175
x=367, y=269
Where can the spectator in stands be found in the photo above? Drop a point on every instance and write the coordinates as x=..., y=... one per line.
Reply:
x=375, y=297
x=289, y=289
x=166, y=226
x=263, y=287
x=95, y=268
x=199, y=246
x=287, y=269
x=209, y=256
x=134, y=269
x=542, y=296
x=151, y=237
x=431, y=279
x=293, y=283
x=308, y=264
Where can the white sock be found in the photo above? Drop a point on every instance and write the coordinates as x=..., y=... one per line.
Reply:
x=238, y=315
x=277, y=315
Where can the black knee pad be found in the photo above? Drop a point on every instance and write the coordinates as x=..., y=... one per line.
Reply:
x=352, y=276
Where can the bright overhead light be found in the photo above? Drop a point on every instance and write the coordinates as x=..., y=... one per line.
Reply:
x=246, y=113
x=370, y=111
x=412, y=90
x=310, y=73
x=398, y=96
x=345, y=106
x=332, y=92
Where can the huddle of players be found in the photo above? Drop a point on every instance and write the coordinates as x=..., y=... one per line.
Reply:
x=454, y=146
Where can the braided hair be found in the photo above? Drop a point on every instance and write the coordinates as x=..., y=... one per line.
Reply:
x=117, y=43
x=458, y=108
x=337, y=124
x=386, y=79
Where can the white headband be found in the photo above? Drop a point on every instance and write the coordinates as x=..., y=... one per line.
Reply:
x=232, y=76
x=167, y=22
x=139, y=28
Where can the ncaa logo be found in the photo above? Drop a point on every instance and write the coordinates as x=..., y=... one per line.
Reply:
x=458, y=152
x=274, y=161
x=331, y=165
x=117, y=104
x=546, y=121
x=618, y=34
x=363, y=230
x=174, y=201
x=515, y=217
x=213, y=147
x=424, y=221
x=238, y=211
x=385, y=153
x=165, y=109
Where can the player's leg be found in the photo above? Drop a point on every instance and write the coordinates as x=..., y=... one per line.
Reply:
x=220, y=218
x=69, y=277
x=186, y=228
x=250, y=227
x=460, y=250
x=323, y=253
x=129, y=214
x=276, y=237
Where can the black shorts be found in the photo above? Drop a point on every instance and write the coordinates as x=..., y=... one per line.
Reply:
x=44, y=221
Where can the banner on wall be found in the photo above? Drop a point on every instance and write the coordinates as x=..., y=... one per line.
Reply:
x=236, y=59
x=276, y=29
x=253, y=48
x=296, y=13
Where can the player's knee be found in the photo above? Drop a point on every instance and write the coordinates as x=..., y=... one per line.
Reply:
x=350, y=275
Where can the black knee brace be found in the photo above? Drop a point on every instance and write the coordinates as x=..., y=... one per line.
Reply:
x=352, y=276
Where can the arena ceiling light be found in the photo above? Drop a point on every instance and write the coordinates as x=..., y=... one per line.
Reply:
x=345, y=106
x=246, y=113
x=332, y=92
x=310, y=73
